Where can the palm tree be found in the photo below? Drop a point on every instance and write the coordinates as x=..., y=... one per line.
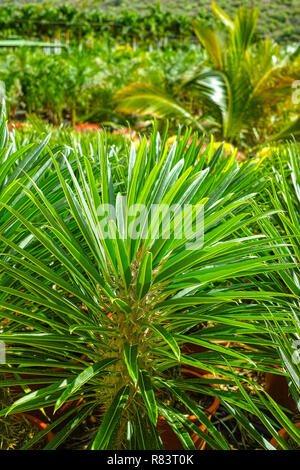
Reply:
x=240, y=88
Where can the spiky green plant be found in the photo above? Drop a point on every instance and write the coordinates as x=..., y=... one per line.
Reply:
x=284, y=197
x=17, y=162
x=104, y=318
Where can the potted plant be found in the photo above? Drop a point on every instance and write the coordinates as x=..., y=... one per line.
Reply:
x=92, y=250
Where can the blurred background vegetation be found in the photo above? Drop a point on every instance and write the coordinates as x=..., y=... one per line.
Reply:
x=84, y=62
x=142, y=73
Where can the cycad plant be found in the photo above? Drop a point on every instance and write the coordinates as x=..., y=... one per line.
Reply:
x=239, y=90
x=102, y=294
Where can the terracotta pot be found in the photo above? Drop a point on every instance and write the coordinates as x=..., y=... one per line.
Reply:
x=172, y=442
x=40, y=425
x=191, y=348
x=284, y=434
x=277, y=387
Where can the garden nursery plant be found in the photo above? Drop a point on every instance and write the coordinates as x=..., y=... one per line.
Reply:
x=149, y=227
x=136, y=291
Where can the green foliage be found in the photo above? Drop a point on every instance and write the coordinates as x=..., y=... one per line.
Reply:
x=232, y=83
x=284, y=196
x=38, y=20
x=78, y=84
x=150, y=20
x=104, y=319
x=240, y=88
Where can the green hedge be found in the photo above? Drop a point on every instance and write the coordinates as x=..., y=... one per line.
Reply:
x=129, y=20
